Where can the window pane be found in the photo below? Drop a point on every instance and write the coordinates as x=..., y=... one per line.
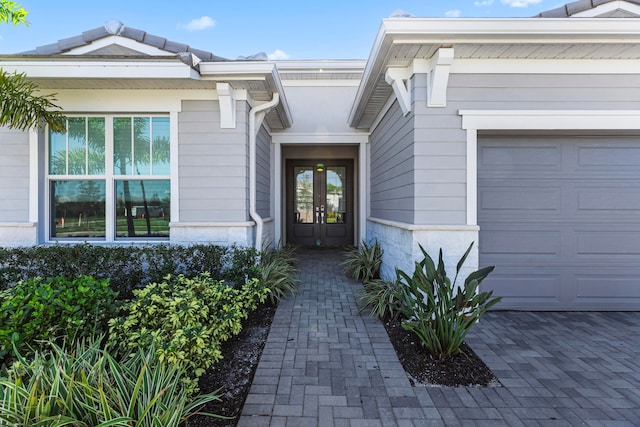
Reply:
x=303, y=194
x=57, y=153
x=335, y=202
x=122, y=146
x=95, y=141
x=78, y=209
x=142, y=146
x=142, y=208
x=77, y=146
x=160, y=149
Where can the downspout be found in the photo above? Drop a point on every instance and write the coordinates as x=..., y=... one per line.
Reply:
x=256, y=116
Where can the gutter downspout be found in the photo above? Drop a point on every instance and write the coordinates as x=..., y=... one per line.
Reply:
x=256, y=116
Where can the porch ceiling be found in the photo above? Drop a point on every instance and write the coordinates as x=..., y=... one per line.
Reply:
x=400, y=41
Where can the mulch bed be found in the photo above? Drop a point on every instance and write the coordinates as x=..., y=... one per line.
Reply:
x=462, y=369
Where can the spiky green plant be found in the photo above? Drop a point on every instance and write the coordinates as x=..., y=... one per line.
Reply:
x=382, y=297
x=278, y=273
x=85, y=386
x=439, y=317
x=363, y=263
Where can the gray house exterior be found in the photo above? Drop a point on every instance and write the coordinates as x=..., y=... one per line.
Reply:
x=522, y=135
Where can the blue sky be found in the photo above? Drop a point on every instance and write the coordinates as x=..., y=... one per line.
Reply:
x=300, y=29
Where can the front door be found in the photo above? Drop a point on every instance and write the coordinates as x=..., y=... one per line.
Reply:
x=320, y=202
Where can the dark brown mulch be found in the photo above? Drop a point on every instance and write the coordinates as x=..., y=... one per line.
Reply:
x=463, y=369
x=234, y=373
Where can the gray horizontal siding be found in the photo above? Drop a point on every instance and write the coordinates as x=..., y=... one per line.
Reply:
x=213, y=168
x=14, y=176
x=392, y=168
x=263, y=173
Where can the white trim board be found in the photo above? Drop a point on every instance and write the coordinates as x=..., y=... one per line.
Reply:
x=474, y=120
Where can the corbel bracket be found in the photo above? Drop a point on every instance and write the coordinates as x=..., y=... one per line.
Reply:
x=227, y=100
x=399, y=79
x=439, y=77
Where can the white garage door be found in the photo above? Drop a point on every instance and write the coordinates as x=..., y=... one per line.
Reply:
x=560, y=219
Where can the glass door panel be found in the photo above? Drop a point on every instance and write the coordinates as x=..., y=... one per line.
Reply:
x=303, y=195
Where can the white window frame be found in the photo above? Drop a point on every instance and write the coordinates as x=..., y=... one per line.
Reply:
x=109, y=177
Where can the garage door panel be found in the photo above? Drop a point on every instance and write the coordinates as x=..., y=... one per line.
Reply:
x=623, y=199
x=564, y=234
x=526, y=199
x=607, y=243
x=515, y=244
x=608, y=286
x=507, y=157
x=618, y=157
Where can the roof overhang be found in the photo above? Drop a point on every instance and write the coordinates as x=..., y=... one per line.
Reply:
x=259, y=78
x=401, y=41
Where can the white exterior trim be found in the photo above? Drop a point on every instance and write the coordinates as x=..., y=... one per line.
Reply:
x=113, y=101
x=291, y=138
x=120, y=41
x=150, y=69
x=400, y=81
x=550, y=119
x=363, y=192
x=33, y=175
x=174, y=167
x=278, y=190
x=320, y=83
x=544, y=66
x=439, y=77
x=608, y=7
x=227, y=101
x=423, y=227
x=474, y=120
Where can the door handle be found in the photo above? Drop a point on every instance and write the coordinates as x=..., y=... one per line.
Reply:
x=322, y=217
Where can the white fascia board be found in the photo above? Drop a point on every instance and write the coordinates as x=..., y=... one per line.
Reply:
x=544, y=66
x=116, y=101
x=319, y=66
x=120, y=41
x=607, y=8
x=509, y=30
x=147, y=69
x=550, y=119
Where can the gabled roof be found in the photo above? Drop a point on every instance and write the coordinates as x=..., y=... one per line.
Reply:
x=615, y=9
x=117, y=28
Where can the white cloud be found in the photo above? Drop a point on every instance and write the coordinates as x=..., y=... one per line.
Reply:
x=200, y=24
x=483, y=3
x=520, y=3
x=452, y=13
x=277, y=54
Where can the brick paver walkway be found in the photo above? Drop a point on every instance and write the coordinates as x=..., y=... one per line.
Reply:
x=326, y=365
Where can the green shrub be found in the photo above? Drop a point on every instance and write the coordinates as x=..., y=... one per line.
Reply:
x=278, y=273
x=440, y=319
x=127, y=267
x=86, y=386
x=382, y=297
x=363, y=263
x=185, y=319
x=53, y=309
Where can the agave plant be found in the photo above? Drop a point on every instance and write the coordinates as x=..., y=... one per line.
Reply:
x=439, y=317
x=278, y=273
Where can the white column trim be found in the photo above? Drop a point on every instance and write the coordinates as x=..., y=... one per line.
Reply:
x=174, y=170
x=363, y=190
x=472, y=177
x=33, y=175
x=277, y=194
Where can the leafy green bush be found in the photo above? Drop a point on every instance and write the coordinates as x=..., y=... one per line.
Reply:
x=127, y=267
x=56, y=308
x=185, y=319
x=440, y=319
x=382, y=297
x=363, y=263
x=278, y=273
x=86, y=386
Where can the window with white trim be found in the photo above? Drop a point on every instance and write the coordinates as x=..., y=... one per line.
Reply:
x=109, y=178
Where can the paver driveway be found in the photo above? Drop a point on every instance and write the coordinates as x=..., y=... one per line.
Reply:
x=326, y=365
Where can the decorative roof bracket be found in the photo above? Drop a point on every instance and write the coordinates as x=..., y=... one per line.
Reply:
x=399, y=79
x=439, y=77
x=227, y=100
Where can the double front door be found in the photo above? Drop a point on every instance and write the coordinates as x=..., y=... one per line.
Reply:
x=320, y=202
